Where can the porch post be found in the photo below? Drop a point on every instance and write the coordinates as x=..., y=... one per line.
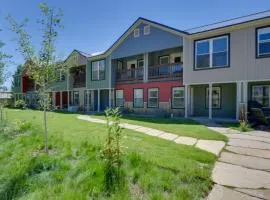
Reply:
x=93, y=99
x=53, y=97
x=87, y=99
x=110, y=98
x=98, y=107
x=238, y=99
x=68, y=98
x=61, y=99
x=210, y=100
x=245, y=97
x=186, y=100
x=145, y=67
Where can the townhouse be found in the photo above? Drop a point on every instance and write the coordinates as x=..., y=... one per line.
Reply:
x=209, y=71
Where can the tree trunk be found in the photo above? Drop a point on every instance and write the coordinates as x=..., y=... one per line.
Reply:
x=45, y=129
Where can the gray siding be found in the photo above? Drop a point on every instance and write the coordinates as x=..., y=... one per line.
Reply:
x=228, y=101
x=243, y=62
x=156, y=40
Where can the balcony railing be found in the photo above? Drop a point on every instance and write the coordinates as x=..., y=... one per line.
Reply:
x=165, y=71
x=130, y=74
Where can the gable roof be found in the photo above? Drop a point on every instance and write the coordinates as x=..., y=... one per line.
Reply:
x=139, y=21
x=230, y=22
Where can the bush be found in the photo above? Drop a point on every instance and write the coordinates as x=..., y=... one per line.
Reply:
x=20, y=104
x=244, y=126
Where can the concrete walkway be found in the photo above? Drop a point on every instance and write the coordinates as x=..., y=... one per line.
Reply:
x=212, y=146
x=243, y=168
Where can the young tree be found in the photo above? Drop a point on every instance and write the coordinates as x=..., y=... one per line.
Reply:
x=3, y=74
x=41, y=65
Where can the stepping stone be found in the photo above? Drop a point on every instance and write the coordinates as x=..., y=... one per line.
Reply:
x=241, y=177
x=149, y=131
x=212, y=146
x=185, y=140
x=259, y=133
x=219, y=129
x=168, y=136
x=245, y=161
x=130, y=126
x=90, y=119
x=263, y=194
x=248, y=144
x=222, y=193
x=249, y=152
x=248, y=137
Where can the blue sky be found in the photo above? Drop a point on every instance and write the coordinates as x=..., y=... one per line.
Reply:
x=93, y=25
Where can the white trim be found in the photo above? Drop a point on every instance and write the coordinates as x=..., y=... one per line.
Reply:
x=262, y=31
x=136, y=33
x=98, y=69
x=181, y=88
x=186, y=101
x=217, y=82
x=148, y=97
x=210, y=100
x=147, y=30
x=161, y=57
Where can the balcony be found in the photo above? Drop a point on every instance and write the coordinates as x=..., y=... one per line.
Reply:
x=78, y=77
x=173, y=70
x=130, y=75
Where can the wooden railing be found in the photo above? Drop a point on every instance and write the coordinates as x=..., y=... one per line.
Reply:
x=130, y=74
x=165, y=71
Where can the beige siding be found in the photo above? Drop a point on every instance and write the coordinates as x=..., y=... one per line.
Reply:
x=243, y=62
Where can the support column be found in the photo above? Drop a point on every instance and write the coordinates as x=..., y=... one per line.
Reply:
x=87, y=99
x=238, y=99
x=68, y=99
x=110, y=98
x=98, y=107
x=53, y=97
x=186, y=100
x=61, y=99
x=210, y=100
x=145, y=67
x=245, y=97
x=93, y=99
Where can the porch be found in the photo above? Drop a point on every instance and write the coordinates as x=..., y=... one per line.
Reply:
x=159, y=65
x=225, y=100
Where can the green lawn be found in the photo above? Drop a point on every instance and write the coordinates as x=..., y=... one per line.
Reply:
x=181, y=127
x=154, y=168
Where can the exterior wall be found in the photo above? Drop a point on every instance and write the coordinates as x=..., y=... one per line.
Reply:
x=59, y=85
x=165, y=91
x=228, y=101
x=243, y=62
x=156, y=40
x=108, y=82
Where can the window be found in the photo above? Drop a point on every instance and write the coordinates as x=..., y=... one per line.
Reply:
x=146, y=30
x=119, y=98
x=98, y=70
x=178, y=97
x=164, y=60
x=138, y=98
x=136, y=33
x=263, y=42
x=212, y=53
x=153, y=98
x=216, y=93
x=260, y=93
x=76, y=100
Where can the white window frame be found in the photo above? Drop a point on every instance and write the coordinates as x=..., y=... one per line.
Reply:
x=76, y=92
x=122, y=99
x=98, y=70
x=136, y=33
x=207, y=97
x=146, y=30
x=148, y=100
x=262, y=31
x=161, y=57
x=254, y=96
x=173, y=97
x=134, y=97
x=210, y=40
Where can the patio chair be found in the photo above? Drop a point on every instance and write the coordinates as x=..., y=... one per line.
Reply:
x=259, y=116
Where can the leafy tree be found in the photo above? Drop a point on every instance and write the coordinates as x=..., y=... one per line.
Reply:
x=15, y=76
x=3, y=74
x=40, y=65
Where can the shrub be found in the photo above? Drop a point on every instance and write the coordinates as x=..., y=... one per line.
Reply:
x=112, y=152
x=20, y=104
x=244, y=126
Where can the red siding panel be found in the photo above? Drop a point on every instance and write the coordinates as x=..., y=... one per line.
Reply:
x=164, y=89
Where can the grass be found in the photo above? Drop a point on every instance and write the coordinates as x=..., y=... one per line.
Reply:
x=235, y=126
x=154, y=168
x=181, y=127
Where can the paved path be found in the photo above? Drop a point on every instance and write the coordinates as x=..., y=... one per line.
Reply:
x=212, y=146
x=243, y=168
